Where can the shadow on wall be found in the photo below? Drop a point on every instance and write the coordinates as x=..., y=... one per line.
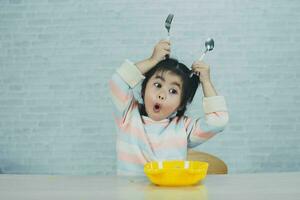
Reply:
x=9, y=167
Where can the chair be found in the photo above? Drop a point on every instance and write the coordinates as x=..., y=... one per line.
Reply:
x=216, y=165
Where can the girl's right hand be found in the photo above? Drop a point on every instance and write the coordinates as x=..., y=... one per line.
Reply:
x=161, y=50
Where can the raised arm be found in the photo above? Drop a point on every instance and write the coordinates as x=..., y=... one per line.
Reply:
x=161, y=49
x=214, y=106
x=203, y=71
x=128, y=75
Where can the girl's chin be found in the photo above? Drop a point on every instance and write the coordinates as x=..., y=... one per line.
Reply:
x=156, y=117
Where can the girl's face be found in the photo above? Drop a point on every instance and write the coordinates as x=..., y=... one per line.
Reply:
x=162, y=95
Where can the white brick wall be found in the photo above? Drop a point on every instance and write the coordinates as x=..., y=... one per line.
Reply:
x=57, y=56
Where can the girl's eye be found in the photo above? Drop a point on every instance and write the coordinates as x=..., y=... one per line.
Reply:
x=173, y=91
x=158, y=85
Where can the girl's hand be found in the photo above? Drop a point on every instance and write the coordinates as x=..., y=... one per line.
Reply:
x=202, y=70
x=161, y=49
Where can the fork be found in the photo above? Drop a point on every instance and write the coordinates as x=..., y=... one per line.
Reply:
x=168, y=26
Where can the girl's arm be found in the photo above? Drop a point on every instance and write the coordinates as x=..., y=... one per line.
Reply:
x=145, y=65
x=161, y=49
x=203, y=71
x=208, y=88
x=215, y=120
x=123, y=80
x=128, y=75
x=214, y=106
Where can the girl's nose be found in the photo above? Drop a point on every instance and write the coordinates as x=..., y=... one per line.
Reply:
x=161, y=96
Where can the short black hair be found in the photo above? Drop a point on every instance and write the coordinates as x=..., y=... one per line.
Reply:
x=189, y=87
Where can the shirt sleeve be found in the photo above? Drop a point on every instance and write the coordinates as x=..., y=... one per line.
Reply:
x=126, y=77
x=215, y=120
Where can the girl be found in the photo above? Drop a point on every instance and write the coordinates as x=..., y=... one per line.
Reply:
x=157, y=129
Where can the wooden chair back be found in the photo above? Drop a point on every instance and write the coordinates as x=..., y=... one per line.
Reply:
x=216, y=165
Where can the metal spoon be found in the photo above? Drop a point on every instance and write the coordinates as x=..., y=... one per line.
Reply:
x=209, y=46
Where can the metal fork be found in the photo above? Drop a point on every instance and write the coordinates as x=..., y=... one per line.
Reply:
x=168, y=24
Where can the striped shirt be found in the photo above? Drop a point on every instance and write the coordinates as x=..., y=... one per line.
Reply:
x=141, y=139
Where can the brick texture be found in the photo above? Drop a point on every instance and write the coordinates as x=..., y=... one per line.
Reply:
x=57, y=56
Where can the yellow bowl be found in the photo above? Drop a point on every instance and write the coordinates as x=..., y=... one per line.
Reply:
x=176, y=172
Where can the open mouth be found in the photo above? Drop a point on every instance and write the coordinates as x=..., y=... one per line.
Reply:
x=156, y=107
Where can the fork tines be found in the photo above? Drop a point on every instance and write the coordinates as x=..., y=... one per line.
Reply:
x=169, y=21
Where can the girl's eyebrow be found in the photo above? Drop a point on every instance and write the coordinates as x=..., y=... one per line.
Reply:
x=160, y=77
x=163, y=79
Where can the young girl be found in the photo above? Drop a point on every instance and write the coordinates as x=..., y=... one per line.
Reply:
x=157, y=129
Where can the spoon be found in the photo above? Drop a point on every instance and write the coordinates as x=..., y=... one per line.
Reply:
x=209, y=46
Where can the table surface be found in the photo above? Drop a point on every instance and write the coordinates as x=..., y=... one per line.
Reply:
x=232, y=186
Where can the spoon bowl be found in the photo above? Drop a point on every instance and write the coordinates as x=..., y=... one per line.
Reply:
x=209, y=44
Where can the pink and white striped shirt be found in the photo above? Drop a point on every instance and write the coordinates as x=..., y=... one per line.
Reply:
x=141, y=139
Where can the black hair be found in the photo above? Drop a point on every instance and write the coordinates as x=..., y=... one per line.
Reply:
x=190, y=84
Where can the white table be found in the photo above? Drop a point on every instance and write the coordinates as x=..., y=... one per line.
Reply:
x=283, y=186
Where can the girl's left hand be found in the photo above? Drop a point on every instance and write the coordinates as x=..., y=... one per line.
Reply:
x=202, y=70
